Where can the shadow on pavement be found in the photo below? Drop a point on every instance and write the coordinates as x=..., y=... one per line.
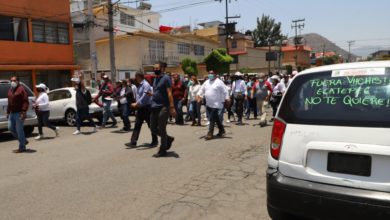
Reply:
x=172, y=154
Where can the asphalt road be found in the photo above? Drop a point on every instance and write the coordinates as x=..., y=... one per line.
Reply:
x=94, y=176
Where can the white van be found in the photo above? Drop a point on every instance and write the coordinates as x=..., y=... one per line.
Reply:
x=330, y=149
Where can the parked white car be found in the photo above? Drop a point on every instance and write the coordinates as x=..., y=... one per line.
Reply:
x=63, y=105
x=330, y=148
x=31, y=118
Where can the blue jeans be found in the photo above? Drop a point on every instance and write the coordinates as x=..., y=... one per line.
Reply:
x=194, y=111
x=125, y=113
x=15, y=126
x=107, y=113
x=179, y=111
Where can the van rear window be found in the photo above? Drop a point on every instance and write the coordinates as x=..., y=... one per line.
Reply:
x=339, y=98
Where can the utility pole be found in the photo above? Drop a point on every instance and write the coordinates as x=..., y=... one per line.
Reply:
x=323, y=54
x=227, y=26
x=111, y=39
x=350, y=43
x=92, y=45
x=297, y=25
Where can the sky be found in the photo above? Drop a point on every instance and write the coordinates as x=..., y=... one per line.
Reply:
x=365, y=21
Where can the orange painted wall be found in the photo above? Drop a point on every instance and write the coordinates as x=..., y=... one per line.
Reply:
x=30, y=53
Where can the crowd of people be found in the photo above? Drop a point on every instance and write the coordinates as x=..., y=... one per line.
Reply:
x=157, y=102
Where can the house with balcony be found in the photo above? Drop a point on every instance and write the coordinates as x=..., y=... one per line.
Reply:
x=36, y=42
x=140, y=42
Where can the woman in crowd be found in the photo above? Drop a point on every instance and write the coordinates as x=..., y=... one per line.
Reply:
x=278, y=90
x=83, y=100
x=42, y=108
x=194, y=106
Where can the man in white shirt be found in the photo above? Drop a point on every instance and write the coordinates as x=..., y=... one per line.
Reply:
x=216, y=94
x=239, y=92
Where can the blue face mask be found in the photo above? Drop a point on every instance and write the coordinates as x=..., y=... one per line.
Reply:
x=211, y=76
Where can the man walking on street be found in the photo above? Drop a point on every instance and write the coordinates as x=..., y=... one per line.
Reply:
x=179, y=91
x=106, y=90
x=162, y=107
x=143, y=106
x=125, y=98
x=239, y=92
x=216, y=94
x=16, y=112
x=262, y=91
x=252, y=103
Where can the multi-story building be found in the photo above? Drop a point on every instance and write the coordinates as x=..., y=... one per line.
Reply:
x=303, y=56
x=36, y=42
x=139, y=43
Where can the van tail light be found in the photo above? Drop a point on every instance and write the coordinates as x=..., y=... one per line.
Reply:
x=277, y=138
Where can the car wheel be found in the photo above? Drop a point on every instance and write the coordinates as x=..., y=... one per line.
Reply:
x=70, y=117
x=28, y=130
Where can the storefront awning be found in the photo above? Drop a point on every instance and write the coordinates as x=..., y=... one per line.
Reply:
x=38, y=67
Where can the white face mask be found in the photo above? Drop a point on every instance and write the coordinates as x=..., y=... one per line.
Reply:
x=14, y=84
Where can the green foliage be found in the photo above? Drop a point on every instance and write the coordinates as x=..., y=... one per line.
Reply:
x=218, y=61
x=289, y=69
x=189, y=67
x=245, y=70
x=331, y=60
x=267, y=32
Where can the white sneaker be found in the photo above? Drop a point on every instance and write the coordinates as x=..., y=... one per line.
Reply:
x=208, y=123
x=39, y=137
x=56, y=131
x=94, y=129
x=228, y=121
x=77, y=132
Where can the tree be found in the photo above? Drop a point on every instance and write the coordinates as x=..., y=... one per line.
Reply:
x=218, y=60
x=329, y=60
x=268, y=32
x=189, y=66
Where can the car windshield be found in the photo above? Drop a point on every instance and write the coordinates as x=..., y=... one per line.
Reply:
x=340, y=99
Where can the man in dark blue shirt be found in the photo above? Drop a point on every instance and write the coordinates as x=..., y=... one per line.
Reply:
x=162, y=105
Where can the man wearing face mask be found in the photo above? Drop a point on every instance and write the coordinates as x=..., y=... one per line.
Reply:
x=179, y=91
x=262, y=91
x=162, y=106
x=239, y=92
x=16, y=112
x=143, y=106
x=106, y=90
x=216, y=94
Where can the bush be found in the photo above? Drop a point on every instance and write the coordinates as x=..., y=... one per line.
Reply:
x=189, y=66
x=219, y=61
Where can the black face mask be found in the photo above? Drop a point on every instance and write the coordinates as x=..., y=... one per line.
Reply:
x=157, y=72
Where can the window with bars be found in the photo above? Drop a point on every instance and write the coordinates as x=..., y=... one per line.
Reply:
x=13, y=29
x=199, y=50
x=234, y=43
x=50, y=32
x=183, y=48
x=127, y=19
x=156, y=50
